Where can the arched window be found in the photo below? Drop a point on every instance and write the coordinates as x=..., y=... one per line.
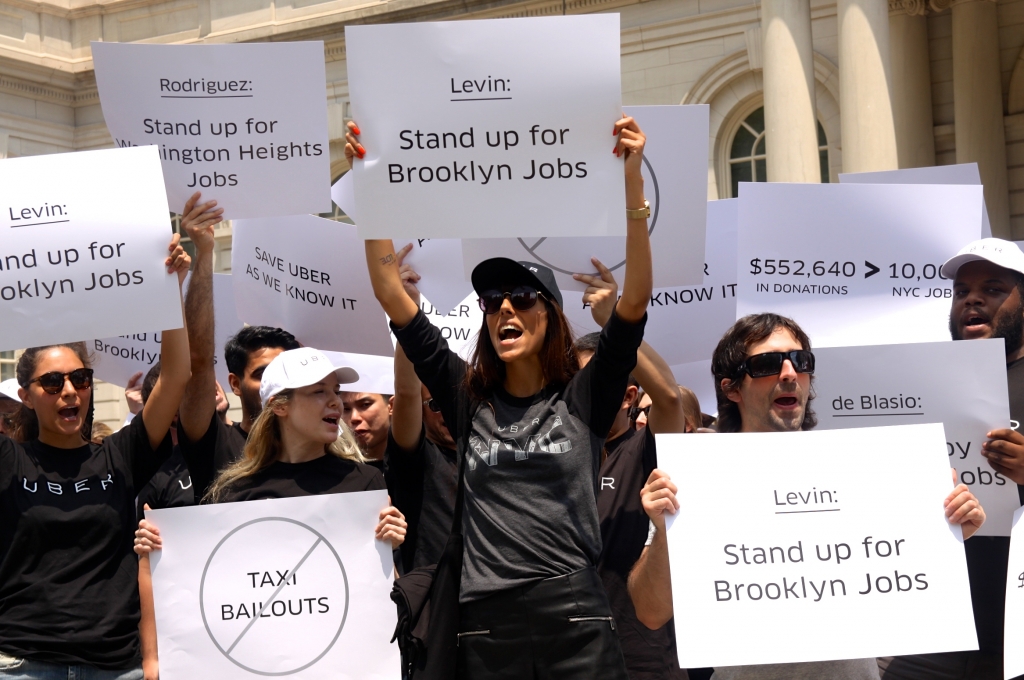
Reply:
x=748, y=161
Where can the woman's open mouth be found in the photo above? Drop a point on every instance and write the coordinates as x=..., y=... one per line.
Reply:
x=509, y=333
x=68, y=414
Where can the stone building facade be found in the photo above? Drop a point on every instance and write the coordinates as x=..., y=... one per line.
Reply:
x=799, y=90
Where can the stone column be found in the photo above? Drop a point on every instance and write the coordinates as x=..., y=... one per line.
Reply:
x=869, y=138
x=911, y=84
x=978, y=104
x=789, y=118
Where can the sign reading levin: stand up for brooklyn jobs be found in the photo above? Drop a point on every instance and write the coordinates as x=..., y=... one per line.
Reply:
x=820, y=546
x=244, y=124
x=498, y=127
x=84, y=234
x=293, y=587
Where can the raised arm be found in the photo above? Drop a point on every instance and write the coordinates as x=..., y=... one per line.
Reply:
x=407, y=412
x=650, y=583
x=639, y=280
x=652, y=371
x=200, y=399
x=162, y=405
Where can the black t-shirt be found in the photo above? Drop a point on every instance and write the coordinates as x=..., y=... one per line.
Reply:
x=531, y=473
x=987, y=556
x=219, y=447
x=68, y=576
x=649, y=654
x=326, y=474
x=422, y=484
x=170, y=487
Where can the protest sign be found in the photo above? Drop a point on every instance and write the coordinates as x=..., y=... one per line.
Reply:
x=246, y=124
x=312, y=283
x=964, y=173
x=376, y=373
x=854, y=264
x=491, y=127
x=459, y=326
x=685, y=324
x=295, y=587
x=1013, y=631
x=84, y=233
x=675, y=181
x=803, y=546
x=117, y=359
x=437, y=260
x=696, y=376
x=877, y=385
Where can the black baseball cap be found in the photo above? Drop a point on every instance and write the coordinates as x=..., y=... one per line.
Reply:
x=496, y=272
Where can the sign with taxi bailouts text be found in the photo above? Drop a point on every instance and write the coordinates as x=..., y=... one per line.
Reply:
x=853, y=264
x=84, y=243
x=498, y=127
x=294, y=587
x=245, y=124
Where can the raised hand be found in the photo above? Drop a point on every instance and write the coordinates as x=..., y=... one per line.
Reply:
x=198, y=220
x=602, y=292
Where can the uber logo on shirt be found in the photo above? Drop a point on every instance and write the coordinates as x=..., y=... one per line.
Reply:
x=607, y=483
x=57, y=489
x=544, y=443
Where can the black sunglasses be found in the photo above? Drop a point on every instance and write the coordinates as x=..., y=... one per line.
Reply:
x=521, y=297
x=770, y=363
x=432, y=405
x=53, y=382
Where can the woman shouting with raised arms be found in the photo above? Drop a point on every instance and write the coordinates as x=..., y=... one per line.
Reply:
x=530, y=425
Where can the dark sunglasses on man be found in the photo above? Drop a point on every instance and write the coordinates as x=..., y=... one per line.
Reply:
x=432, y=405
x=770, y=363
x=53, y=382
x=521, y=297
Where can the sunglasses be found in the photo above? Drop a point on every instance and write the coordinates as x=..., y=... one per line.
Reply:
x=521, y=297
x=432, y=405
x=635, y=412
x=770, y=363
x=53, y=382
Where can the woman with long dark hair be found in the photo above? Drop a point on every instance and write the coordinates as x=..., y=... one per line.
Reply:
x=69, y=602
x=530, y=425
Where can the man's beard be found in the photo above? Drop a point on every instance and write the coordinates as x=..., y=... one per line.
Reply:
x=1009, y=327
x=251, y=404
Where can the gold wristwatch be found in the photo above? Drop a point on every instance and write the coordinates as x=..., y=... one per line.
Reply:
x=640, y=213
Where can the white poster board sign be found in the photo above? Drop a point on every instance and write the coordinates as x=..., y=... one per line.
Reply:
x=376, y=373
x=117, y=359
x=437, y=260
x=802, y=556
x=1013, y=630
x=675, y=181
x=84, y=234
x=492, y=127
x=684, y=324
x=854, y=264
x=878, y=385
x=459, y=327
x=964, y=173
x=308, y=276
x=246, y=124
x=295, y=587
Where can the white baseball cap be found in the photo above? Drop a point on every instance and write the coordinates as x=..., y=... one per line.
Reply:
x=1002, y=253
x=9, y=389
x=299, y=368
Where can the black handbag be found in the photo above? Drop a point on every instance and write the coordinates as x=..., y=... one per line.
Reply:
x=428, y=608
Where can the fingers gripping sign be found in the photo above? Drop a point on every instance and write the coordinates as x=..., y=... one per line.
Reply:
x=963, y=508
x=658, y=497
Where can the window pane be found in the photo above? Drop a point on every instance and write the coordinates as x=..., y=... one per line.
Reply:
x=743, y=144
x=6, y=371
x=822, y=141
x=759, y=150
x=823, y=156
x=761, y=170
x=741, y=172
x=756, y=120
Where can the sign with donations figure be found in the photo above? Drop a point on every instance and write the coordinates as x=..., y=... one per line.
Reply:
x=854, y=264
x=84, y=234
x=245, y=124
x=495, y=127
x=288, y=587
x=308, y=276
x=875, y=385
x=804, y=557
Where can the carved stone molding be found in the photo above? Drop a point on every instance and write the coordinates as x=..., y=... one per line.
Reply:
x=911, y=7
x=941, y=5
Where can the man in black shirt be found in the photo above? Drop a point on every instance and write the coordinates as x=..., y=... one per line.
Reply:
x=629, y=458
x=988, y=302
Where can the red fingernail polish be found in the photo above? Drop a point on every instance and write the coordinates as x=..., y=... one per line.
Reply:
x=615, y=150
x=355, y=129
x=361, y=149
x=614, y=131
